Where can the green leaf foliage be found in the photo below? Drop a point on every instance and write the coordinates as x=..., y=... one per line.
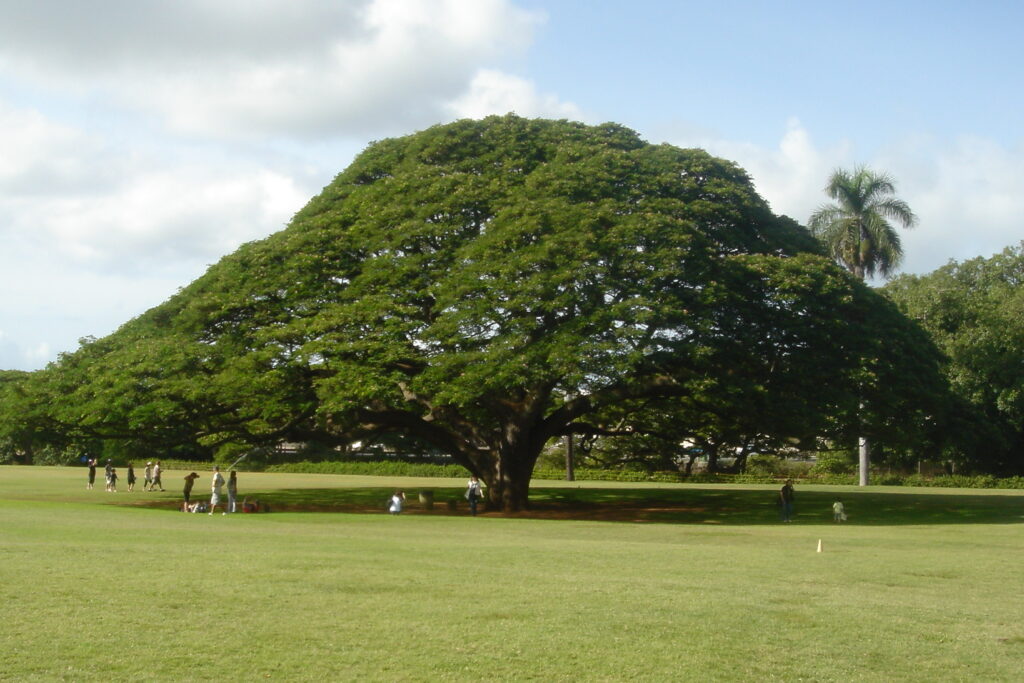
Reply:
x=486, y=286
x=975, y=313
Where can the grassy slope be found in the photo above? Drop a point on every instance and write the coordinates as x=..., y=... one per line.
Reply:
x=919, y=589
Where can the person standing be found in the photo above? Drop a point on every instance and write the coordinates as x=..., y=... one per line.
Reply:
x=473, y=494
x=131, y=477
x=838, y=511
x=156, y=478
x=232, y=490
x=147, y=483
x=395, y=505
x=215, y=487
x=108, y=470
x=190, y=480
x=92, y=472
x=786, y=496
x=112, y=481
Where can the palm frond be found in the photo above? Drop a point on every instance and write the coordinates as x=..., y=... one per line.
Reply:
x=856, y=230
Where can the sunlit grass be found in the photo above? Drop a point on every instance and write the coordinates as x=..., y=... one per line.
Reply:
x=920, y=585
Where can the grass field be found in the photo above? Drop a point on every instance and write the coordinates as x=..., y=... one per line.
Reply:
x=606, y=582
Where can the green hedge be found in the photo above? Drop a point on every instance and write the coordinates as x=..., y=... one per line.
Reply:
x=586, y=474
x=378, y=469
x=982, y=481
x=408, y=469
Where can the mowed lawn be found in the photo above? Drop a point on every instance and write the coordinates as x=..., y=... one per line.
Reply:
x=687, y=583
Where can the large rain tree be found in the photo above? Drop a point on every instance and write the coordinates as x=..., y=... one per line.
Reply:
x=858, y=231
x=483, y=288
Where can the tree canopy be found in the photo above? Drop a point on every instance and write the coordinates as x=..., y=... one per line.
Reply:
x=975, y=313
x=485, y=286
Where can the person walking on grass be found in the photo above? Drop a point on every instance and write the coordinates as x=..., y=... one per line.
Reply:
x=91, y=462
x=838, y=511
x=156, y=477
x=147, y=482
x=112, y=485
x=215, y=487
x=190, y=480
x=786, y=496
x=473, y=494
x=131, y=477
x=108, y=469
x=232, y=490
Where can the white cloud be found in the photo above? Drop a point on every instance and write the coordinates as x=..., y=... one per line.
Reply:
x=175, y=213
x=494, y=92
x=63, y=191
x=968, y=193
x=94, y=233
x=303, y=69
x=43, y=157
x=106, y=209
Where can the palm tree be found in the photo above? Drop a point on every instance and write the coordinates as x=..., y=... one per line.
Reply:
x=856, y=229
x=857, y=233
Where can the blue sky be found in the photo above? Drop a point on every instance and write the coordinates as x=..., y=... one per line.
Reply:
x=143, y=141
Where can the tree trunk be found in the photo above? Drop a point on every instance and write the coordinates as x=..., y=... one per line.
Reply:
x=508, y=479
x=740, y=465
x=712, y=451
x=570, y=457
x=690, y=459
x=508, y=491
x=864, y=459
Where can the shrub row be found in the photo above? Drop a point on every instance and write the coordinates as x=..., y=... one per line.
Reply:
x=409, y=469
x=380, y=469
x=983, y=481
x=587, y=474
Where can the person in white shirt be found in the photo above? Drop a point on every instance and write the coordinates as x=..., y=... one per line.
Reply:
x=156, y=478
x=395, y=506
x=215, y=487
x=473, y=494
x=839, y=511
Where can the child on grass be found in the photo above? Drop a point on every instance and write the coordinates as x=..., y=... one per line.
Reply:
x=838, y=511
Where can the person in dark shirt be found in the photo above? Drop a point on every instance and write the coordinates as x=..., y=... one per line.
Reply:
x=190, y=479
x=786, y=495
